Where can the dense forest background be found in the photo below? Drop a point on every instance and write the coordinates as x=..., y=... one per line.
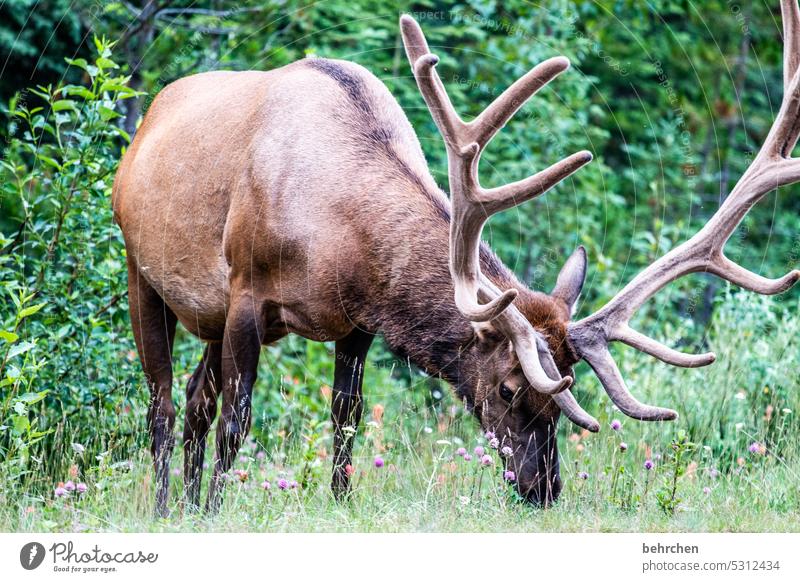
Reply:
x=672, y=97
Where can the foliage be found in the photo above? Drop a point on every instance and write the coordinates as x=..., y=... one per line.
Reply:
x=677, y=464
x=63, y=278
x=35, y=36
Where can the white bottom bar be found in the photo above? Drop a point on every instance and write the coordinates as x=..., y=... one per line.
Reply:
x=334, y=557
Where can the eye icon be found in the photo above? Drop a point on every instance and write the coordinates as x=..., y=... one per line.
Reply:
x=31, y=555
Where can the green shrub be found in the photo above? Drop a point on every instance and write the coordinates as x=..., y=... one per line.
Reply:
x=64, y=348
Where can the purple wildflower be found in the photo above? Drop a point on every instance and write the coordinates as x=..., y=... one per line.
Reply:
x=266, y=485
x=510, y=476
x=81, y=487
x=490, y=435
x=754, y=448
x=294, y=484
x=486, y=460
x=494, y=443
x=648, y=464
x=583, y=475
x=60, y=492
x=623, y=446
x=479, y=451
x=707, y=490
x=69, y=486
x=506, y=451
x=467, y=457
x=378, y=462
x=283, y=484
x=261, y=455
x=461, y=451
x=615, y=424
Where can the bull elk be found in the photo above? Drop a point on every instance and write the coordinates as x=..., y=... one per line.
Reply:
x=259, y=204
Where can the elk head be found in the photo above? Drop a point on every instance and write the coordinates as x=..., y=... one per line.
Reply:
x=526, y=342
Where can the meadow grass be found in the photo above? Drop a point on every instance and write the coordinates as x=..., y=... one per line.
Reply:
x=729, y=463
x=423, y=488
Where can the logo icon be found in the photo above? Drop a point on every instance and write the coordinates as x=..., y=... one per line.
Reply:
x=31, y=555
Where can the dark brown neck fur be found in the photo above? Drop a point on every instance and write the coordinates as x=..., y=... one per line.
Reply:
x=414, y=307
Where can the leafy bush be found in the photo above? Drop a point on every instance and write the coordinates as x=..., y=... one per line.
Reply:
x=64, y=344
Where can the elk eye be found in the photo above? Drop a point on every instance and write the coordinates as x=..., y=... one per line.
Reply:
x=506, y=392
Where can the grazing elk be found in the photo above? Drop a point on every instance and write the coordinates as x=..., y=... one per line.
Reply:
x=258, y=204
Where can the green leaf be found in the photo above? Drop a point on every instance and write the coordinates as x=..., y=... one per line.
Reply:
x=21, y=424
x=123, y=133
x=75, y=91
x=99, y=44
x=107, y=114
x=112, y=85
x=81, y=63
x=8, y=336
x=49, y=161
x=33, y=397
x=29, y=311
x=104, y=63
x=64, y=104
x=20, y=348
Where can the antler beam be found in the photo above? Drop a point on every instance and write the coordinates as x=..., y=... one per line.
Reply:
x=772, y=168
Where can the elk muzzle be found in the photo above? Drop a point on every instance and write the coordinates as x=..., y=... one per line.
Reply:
x=535, y=465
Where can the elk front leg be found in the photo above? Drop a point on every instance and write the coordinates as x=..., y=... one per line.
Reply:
x=346, y=404
x=201, y=408
x=153, y=326
x=240, y=350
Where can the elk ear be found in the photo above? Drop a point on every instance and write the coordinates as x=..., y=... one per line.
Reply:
x=570, y=279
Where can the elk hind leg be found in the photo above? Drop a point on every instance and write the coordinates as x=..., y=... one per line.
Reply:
x=241, y=347
x=201, y=408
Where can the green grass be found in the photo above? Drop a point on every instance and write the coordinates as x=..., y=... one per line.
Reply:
x=704, y=479
x=422, y=488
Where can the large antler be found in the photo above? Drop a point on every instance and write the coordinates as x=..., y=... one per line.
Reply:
x=772, y=168
x=472, y=204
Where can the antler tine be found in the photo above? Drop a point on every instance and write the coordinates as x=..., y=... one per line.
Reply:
x=606, y=369
x=785, y=130
x=465, y=141
x=484, y=127
x=791, y=39
x=772, y=168
x=573, y=411
x=433, y=91
x=472, y=204
x=511, y=195
x=566, y=401
x=413, y=39
x=658, y=350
